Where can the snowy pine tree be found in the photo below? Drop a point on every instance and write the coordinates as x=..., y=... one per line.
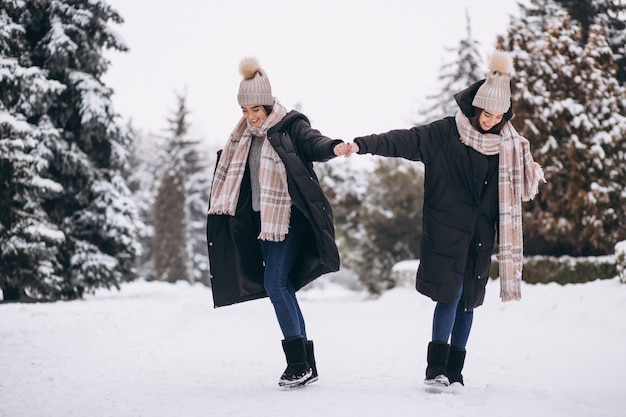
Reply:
x=181, y=204
x=170, y=240
x=152, y=155
x=378, y=217
x=28, y=240
x=199, y=179
x=171, y=215
x=611, y=14
x=198, y=189
x=345, y=188
x=142, y=184
x=392, y=217
x=569, y=104
x=67, y=222
x=463, y=69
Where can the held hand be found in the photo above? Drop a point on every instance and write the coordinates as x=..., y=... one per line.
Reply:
x=342, y=149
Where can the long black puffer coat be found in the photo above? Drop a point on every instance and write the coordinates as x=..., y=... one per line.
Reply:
x=235, y=258
x=460, y=204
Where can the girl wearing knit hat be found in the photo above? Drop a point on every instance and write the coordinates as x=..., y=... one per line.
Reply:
x=478, y=170
x=270, y=228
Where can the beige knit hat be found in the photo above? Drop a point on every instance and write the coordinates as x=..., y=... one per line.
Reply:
x=255, y=87
x=495, y=93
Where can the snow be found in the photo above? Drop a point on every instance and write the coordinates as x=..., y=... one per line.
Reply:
x=157, y=349
x=95, y=103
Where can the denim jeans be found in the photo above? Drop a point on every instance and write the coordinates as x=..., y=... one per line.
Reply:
x=450, y=322
x=279, y=258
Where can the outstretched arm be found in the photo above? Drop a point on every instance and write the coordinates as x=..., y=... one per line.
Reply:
x=420, y=143
x=404, y=143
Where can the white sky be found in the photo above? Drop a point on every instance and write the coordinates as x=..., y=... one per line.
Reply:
x=355, y=67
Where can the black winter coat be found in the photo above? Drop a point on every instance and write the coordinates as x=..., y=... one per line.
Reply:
x=460, y=204
x=235, y=259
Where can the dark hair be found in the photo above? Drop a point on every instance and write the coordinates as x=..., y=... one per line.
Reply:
x=474, y=120
x=268, y=109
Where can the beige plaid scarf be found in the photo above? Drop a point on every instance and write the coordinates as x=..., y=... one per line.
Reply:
x=275, y=199
x=518, y=180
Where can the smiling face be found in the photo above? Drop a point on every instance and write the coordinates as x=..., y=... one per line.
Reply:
x=489, y=118
x=254, y=113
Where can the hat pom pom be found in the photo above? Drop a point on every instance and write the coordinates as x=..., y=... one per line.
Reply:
x=249, y=67
x=500, y=62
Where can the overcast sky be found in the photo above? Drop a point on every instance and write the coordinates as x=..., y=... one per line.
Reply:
x=353, y=66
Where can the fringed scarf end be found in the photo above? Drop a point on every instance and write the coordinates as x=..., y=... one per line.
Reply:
x=220, y=211
x=272, y=237
x=510, y=296
x=511, y=291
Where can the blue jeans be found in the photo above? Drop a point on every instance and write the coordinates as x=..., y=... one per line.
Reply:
x=450, y=322
x=279, y=258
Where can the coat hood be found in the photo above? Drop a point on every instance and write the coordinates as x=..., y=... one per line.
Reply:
x=465, y=97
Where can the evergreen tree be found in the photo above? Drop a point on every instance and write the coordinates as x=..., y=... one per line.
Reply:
x=581, y=11
x=186, y=179
x=535, y=15
x=378, y=217
x=152, y=158
x=570, y=106
x=198, y=192
x=171, y=215
x=392, y=220
x=170, y=241
x=463, y=70
x=68, y=224
x=198, y=189
x=345, y=187
x=28, y=240
x=611, y=14
x=142, y=182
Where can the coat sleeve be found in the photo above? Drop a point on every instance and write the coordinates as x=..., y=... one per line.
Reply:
x=310, y=144
x=421, y=143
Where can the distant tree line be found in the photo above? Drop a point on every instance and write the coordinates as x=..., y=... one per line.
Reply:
x=83, y=203
x=88, y=203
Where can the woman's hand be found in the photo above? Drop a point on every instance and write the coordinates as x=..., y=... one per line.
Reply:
x=345, y=149
x=342, y=149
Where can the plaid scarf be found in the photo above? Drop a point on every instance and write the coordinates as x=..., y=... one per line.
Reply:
x=518, y=180
x=275, y=199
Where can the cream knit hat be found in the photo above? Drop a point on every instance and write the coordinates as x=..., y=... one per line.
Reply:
x=495, y=93
x=255, y=87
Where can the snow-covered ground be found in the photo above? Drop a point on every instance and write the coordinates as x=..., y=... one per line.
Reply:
x=156, y=349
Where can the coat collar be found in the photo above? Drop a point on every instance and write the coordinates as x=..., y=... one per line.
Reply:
x=286, y=121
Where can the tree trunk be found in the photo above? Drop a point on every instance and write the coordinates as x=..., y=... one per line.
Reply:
x=12, y=294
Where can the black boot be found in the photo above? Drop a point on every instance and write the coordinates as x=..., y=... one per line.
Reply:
x=437, y=360
x=310, y=357
x=456, y=360
x=298, y=368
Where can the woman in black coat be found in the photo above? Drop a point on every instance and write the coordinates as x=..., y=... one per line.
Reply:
x=478, y=170
x=270, y=228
